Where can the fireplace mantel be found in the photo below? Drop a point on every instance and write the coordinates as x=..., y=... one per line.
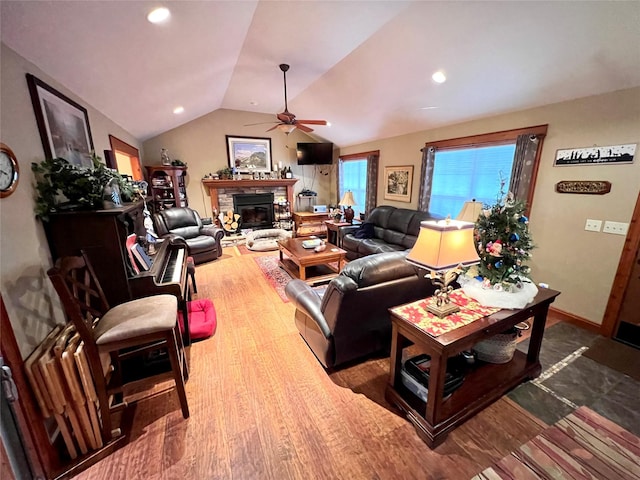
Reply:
x=214, y=185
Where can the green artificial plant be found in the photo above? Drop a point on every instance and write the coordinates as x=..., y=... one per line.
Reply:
x=63, y=186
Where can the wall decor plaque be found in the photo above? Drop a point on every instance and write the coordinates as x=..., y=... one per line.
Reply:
x=593, y=187
x=610, y=155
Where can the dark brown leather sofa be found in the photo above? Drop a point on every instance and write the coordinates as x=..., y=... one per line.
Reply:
x=351, y=320
x=203, y=241
x=394, y=230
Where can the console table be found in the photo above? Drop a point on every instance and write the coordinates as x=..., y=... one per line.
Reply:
x=483, y=384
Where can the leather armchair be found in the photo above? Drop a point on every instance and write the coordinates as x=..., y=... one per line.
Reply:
x=203, y=241
x=351, y=319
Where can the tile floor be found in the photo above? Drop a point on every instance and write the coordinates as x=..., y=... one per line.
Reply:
x=575, y=380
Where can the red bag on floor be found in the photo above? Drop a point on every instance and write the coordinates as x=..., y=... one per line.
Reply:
x=202, y=319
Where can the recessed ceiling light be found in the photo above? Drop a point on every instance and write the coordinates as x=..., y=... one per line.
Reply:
x=178, y=110
x=328, y=124
x=427, y=108
x=159, y=15
x=253, y=102
x=439, y=77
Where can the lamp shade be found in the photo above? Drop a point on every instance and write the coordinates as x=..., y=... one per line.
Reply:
x=442, y=245
x=286, y=128
x=470, y=211
x=347, y=199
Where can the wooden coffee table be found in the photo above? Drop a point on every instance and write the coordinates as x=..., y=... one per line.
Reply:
x=306, y=264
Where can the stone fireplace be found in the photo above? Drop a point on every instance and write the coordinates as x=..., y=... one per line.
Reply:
x=222, y=192
x=255, y=209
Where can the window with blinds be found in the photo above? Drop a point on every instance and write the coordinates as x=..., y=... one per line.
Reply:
x=462, y=174
x=354, y=178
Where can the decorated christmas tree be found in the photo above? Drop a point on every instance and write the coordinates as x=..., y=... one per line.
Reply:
x=504, y=243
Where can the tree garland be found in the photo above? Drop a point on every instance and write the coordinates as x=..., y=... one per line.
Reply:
x=503, y=243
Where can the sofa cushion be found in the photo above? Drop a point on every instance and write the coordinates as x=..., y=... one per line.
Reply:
x=371, y=246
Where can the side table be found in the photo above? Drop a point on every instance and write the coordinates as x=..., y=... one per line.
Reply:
x=332, y=230
x=483, y=384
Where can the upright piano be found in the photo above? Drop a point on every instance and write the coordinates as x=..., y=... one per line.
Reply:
x=102, y=235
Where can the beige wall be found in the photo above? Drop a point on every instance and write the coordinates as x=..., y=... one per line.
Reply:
x=24, y=255
x=578, y=263
x=201, y=144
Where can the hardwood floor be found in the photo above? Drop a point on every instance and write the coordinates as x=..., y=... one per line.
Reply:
x=262, y=407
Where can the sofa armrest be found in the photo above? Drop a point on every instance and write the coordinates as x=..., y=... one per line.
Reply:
x=308, y=301
x=342, y=231
x=212, y=231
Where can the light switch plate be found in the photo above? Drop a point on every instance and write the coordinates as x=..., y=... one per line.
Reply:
x=593, y=225
x=617, y=228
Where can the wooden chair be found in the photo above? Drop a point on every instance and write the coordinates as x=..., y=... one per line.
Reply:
x=126, y=331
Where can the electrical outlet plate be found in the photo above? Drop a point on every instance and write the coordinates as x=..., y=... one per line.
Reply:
x=617, y=228
x=593, y=225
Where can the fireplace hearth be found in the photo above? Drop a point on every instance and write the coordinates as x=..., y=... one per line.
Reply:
x=255, y=209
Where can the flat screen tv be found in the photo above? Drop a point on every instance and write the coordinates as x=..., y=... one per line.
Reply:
x=315, y=153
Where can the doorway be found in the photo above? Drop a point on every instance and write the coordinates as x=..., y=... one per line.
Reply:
x=124, y=158
x=622, y=318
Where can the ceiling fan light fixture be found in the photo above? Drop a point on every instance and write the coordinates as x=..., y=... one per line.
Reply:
x=159, y=15
x=286, y=128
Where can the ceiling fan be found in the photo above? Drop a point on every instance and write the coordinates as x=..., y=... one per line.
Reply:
x=287, y=121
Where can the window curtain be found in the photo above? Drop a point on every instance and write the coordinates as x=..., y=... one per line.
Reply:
x=372, y=183
x=426, y=176
x=523, y=165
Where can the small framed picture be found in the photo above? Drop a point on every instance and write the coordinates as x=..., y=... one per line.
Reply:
x=398, y=182
x=249, y=154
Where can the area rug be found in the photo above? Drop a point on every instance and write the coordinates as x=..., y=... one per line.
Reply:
x=582, y=445
x=277, y=277
x=615, y=355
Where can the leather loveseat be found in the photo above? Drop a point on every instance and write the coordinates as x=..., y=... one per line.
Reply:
x=351, y=319
x=203, y=241
x=394, y=229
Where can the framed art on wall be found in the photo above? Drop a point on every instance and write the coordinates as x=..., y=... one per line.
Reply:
x=63, y=124
x=398, y=182
x=249, y=154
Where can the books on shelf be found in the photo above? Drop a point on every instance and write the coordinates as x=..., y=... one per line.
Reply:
x=415, y=375
x=141, y=257
x=131, y=241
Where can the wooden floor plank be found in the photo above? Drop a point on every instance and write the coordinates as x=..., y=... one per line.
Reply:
x=263, y=407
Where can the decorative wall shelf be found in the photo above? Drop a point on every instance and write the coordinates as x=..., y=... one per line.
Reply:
x=593, y=187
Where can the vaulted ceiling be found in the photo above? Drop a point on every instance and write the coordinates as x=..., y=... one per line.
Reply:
x=365, y=66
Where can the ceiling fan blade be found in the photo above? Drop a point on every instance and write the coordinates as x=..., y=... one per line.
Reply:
x=260, y=123
x=312, y=122
x=304, y=128
x=273, y=128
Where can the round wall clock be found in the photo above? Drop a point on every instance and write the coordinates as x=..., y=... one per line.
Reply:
x=9, y=171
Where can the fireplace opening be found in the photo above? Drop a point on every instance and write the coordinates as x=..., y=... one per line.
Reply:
x=255, y=209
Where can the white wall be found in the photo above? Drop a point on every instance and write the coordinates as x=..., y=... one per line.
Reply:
x=31, y=302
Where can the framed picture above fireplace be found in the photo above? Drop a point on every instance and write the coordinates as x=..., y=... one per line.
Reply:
x=249, y=154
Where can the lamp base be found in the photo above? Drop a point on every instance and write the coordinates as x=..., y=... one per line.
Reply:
x=442, y=310
x=348, y=214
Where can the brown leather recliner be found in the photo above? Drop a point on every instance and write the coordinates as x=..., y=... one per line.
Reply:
x=203, y=241
x=351, y=320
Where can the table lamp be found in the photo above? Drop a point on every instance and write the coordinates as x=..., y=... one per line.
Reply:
x=347, y=201
x=470, y=211
x=443, y=247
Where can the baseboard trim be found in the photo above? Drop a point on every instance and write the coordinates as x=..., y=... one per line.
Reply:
x=576, y=320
